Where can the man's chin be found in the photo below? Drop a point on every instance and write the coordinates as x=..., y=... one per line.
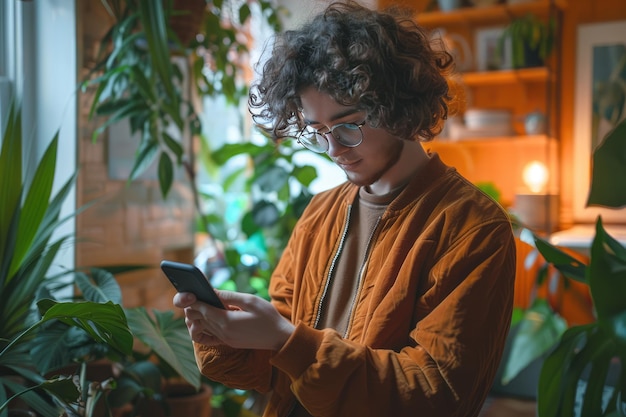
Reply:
x=361, y=181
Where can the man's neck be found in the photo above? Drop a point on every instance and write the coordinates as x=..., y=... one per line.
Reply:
x=412, y=159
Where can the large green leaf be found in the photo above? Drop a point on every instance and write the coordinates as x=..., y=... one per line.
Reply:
x=10, y=184
x=226, y=152
x=100, y=286
x=35, y=205
x=63, y=389
x=145, y=157
x=166, y=173
x=56, y=346
x=137, y=378
x=152, y=17
x=609, y=166
x=104, y=322
x=551, y=382
x=18, y=298
x=566, y=264
x=168, y=338
x=607, y=274
x=538, y=332
x=305, y=174
x=265, y=213
x=271, y=179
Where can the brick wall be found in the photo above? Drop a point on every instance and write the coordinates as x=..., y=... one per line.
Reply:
x=124, y=224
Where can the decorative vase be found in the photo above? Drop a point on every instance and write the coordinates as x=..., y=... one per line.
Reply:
x=448, y=5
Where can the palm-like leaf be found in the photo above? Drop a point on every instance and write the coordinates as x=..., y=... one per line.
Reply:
x=30, y=216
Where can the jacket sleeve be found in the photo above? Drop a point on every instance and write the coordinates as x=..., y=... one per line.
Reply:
x=246, y=368
x=451, y=354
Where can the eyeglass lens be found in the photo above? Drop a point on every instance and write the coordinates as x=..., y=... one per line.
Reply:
x=347, y=134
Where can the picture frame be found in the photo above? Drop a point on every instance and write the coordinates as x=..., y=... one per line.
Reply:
x=486, y=47
x=600, y=66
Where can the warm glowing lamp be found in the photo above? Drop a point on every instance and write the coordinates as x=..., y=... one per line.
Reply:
x=535, y=176
x=535, y=207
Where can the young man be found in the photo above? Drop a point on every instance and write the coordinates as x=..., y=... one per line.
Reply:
x=393, y=296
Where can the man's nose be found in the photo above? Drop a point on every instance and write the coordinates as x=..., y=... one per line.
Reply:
x=334, y=147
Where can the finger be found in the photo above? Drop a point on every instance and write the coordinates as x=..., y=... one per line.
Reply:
x=237, y=300
x=196, y=312
x=184, y=299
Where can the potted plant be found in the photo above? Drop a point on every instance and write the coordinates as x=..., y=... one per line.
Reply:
x=31, y=214
x=574, y=378
x=531, y=41
x=136, y=78
x=160, y=369
x=161, y=378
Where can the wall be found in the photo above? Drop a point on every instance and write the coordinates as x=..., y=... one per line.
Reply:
x=125, y=223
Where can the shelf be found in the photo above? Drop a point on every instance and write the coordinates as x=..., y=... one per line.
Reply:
x=526, y=75
x=505, y=141
x=490, y=14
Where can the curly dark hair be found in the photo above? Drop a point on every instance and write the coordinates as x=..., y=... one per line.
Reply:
x=381, y=62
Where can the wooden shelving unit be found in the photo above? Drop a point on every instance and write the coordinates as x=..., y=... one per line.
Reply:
x=500, y=160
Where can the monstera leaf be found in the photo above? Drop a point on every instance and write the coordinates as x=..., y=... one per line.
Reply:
x=592, y=348
x=609, y=166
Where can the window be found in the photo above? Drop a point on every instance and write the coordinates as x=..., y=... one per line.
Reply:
x=6, y=59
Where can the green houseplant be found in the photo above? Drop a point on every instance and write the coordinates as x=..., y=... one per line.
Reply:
x=531, y=40
x=31, y=214
x=162, y=369
x=162, y=350
x=249, y=210
x=578, y=359
x=140, y=76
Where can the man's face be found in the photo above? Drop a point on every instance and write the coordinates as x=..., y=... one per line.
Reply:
x=364, y=164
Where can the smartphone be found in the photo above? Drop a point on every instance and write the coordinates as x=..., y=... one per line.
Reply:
x=188, y=278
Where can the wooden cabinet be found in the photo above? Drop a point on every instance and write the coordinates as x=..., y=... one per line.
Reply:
x=500, y=160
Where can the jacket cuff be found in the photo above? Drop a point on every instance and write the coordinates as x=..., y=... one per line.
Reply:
x=299, y=352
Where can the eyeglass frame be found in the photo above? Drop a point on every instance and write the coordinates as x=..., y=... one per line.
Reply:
x=330, y=131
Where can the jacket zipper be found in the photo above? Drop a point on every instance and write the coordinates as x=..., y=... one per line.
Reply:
x=318, y=315
x=330, y=275
x=357, y=294
x=332, y=267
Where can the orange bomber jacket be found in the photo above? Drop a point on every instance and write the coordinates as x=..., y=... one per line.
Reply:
x=429, y=324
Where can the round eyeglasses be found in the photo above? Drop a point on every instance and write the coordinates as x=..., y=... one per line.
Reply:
x=346, y=134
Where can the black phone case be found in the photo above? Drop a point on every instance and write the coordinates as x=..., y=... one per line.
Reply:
x=188, y=278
